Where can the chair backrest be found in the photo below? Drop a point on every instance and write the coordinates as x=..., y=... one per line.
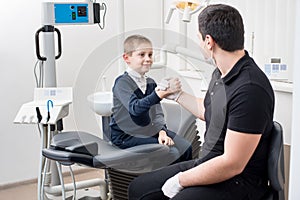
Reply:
x=276, y=162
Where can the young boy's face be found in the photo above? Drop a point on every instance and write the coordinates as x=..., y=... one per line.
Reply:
x=141, y=59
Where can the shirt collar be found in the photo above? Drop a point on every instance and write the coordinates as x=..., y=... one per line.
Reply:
x=134, y=74
x=138, y=79
x=236, y=68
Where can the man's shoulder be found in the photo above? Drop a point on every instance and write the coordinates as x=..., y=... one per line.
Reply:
x=252, y=74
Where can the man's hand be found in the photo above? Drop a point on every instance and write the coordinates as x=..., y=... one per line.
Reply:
x=174, y=85
x=169, y=88
x=174, y=96
x=163, y=84
x=172, y=186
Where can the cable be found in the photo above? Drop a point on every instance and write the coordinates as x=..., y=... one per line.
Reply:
x=104, y=8
x=74, y=182
x=41, y=74
x=35, y=76
x=48, y=109
x=39, y=80
x=39, y=129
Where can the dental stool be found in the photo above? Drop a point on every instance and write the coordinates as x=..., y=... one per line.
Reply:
x=122, y=165
x=276, y=165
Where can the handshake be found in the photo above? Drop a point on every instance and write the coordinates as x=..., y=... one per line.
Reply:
x=172, y=86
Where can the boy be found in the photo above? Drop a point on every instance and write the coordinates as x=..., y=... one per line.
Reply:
x=137, y=114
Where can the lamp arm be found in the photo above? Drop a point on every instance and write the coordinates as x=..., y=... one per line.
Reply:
x=170, y=13
x=176, y=49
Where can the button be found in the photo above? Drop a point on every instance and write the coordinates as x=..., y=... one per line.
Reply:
x=212, y=93
x=216, y=83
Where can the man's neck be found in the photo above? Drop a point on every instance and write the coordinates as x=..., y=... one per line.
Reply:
x=226, y=60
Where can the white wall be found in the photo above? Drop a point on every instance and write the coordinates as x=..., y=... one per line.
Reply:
x=17, y=61
x=294, y=192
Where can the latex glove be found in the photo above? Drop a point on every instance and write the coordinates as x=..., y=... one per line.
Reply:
x=172, y=186
x=174, y=96
x=174, y=85
x=174, y=88
x=163, y=84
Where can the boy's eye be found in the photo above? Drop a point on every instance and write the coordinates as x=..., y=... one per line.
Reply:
x=144, y=54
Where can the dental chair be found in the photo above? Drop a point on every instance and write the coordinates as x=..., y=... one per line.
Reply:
x=276, y=165
x=121, y=165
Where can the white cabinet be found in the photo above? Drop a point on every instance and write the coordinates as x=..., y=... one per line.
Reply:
x=283, y=107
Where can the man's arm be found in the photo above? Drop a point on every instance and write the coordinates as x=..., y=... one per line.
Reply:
x=193, y=104
x=238, y=149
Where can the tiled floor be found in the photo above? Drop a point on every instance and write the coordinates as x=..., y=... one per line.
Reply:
x=29, y=191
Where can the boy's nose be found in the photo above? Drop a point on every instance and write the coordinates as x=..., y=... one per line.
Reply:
x=148, y=58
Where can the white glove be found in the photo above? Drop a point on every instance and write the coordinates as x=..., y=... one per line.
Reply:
x=172, y=186
x=174, y=96
x=174, y=85
x=163, y=84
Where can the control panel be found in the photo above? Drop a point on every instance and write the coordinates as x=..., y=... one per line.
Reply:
x=65, y=13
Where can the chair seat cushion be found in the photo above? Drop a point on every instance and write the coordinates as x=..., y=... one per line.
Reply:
x=87, y=149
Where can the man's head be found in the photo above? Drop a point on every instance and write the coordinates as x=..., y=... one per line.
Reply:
x=224, y=24
x=138, y=53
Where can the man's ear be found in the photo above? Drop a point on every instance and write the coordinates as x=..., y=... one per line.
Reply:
x=209, y=41
x=126, y=58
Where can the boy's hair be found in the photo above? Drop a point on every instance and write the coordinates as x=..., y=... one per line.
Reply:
x=224, y=24
x=132, y=42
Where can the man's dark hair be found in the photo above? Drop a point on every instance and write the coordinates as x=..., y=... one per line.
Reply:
x=224, y=24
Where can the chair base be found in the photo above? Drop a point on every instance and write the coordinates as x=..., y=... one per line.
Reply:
x=119, y=182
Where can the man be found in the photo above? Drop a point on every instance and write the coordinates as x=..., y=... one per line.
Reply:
x=238, y=110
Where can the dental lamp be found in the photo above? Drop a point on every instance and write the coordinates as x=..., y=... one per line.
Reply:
x=186, y=8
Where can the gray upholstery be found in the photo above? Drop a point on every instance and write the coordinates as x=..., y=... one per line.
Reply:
x=87, y=149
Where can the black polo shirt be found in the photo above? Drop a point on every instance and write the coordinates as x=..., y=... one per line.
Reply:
x=241, y=101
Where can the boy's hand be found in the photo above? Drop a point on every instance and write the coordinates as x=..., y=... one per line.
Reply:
x=164, y=139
